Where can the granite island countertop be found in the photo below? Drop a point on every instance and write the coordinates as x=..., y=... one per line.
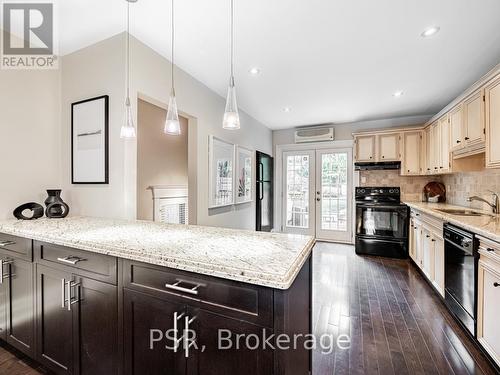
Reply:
x=486, y=226
x=266, y=259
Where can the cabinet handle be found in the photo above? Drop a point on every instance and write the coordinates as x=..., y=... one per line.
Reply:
x=459, y=141
x=175, y=286
x=2, y=275
x=427, y=236
x=187, y=344
x=177, y=317
x=63, y=293
x=433, y=240
x=6, y=243
x=496, y=285
x=66, y=289
x=71, y=260
x=467, y=138
x=490, y=249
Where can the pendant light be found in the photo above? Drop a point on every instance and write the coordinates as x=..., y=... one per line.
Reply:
x=128, y=129
x=231, y=119
x=172, y=124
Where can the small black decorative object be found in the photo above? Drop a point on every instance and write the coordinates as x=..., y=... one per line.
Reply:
x=55, y=206
x=35, y=208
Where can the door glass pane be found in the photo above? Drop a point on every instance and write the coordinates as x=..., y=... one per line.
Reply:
x=334, y=191
x=297, y=191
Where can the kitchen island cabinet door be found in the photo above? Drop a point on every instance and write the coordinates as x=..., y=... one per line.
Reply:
x=207, y=358
x=54, y=321
x=142, y=314
x=96, y=333
x=20, y=305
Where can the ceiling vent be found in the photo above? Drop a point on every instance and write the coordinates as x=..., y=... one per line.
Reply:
x=322, y=134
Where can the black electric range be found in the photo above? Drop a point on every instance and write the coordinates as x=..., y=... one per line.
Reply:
x=381, y=222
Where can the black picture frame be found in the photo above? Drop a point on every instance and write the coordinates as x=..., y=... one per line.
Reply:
x=105, y=180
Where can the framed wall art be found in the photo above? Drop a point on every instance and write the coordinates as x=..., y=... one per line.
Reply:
x=90, y=141
x=221, y=156
x=244, y=175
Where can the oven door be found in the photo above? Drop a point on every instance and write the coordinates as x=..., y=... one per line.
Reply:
x=382, y=221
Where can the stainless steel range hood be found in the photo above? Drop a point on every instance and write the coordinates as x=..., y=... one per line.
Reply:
x=385, y=165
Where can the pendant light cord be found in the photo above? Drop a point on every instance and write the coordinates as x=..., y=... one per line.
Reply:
x=173, y=48
x=128, y=52
x=232, y=41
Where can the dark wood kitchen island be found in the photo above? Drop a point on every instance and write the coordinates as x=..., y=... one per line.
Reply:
x=97, y=296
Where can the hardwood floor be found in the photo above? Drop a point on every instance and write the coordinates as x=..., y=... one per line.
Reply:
x=396, y=322
x=13, y=362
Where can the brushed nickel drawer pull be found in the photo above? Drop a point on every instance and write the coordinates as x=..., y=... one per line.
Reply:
x=70, y=299
x=175, y=286
x=6, y=243
x=71, y=260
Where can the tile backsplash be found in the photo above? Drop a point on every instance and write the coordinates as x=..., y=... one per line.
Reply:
x=459, y=186
x=411, y=186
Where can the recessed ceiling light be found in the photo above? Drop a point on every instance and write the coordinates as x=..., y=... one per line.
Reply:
x=287, y=109
x=398, y=94
x=430, y=31
x=254, y=71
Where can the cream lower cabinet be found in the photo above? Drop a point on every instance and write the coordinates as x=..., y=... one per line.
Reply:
x=488, y=301
x=427, y=247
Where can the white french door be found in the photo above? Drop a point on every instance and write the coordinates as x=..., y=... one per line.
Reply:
x=317, y=193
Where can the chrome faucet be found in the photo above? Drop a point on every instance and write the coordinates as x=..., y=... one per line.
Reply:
x=494, y=206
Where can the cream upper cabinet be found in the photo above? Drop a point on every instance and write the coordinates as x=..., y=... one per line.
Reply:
x=457, y=138
x=435, y=147
x=492, y=112
x=412, y=143
x=365, y=148
x=444, y=143
x=474, y=127
x=388, y=147
x=427, y=150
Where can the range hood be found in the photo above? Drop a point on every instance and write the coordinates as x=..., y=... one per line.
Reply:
x=385, y=165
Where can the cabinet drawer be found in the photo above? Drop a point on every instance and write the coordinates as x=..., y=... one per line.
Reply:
x=17, y=246
x=84, y=263
x=243, y=301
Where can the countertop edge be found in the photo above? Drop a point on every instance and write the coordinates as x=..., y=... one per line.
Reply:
x=283, y=283
x=453, y=220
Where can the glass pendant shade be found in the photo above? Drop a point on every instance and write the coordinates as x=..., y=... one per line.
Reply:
x=231, y=119
x=172, y=124
x=128, y=129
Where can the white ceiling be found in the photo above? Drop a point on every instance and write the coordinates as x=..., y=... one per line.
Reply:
x=329, y=60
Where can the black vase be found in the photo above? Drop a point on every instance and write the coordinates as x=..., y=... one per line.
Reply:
x=55, y=206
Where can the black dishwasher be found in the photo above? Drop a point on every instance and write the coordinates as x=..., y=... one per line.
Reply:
x=461, y=260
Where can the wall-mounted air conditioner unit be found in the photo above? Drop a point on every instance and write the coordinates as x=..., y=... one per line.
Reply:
x=322, y=134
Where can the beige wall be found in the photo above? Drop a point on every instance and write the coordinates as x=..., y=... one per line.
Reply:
x=30, y=137
x=161, y=159
x=100, y=69
x=93, y=71
x=343, y=132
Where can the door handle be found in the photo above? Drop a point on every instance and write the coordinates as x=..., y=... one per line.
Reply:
x=187, y=344
x=2, y=275
x=261, y=190
x=177, y=317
